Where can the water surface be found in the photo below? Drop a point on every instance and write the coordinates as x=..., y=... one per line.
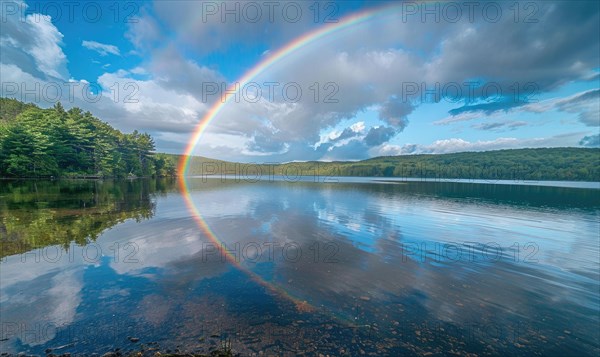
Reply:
x=341, y=268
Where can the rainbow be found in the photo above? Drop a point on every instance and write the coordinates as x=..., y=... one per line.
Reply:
x=271, y=59
x=284, y=51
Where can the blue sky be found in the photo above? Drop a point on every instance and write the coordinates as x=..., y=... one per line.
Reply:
x=149, y=66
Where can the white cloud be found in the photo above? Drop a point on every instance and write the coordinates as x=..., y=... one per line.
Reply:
x=452, y=145
x=46, y=49
x=585, y=104
x=101, y=48
x=32, y=42
x=139, y=70
x=358, y=127
x=457, y=145
x=465, y=116
x=147, y=105
x=144, y=33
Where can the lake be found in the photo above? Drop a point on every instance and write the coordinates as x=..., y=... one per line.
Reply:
x=360, y=266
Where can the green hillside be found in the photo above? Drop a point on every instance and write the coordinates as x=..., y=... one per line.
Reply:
x=575, y=164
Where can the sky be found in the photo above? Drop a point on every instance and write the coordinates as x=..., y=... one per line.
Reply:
x=409, y=78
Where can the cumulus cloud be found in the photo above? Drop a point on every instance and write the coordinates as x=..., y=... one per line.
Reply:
x=345, y=89
x=452, y=145
x=151, y=106
x=379, y=135
x=264, y=142
x=171, y=70
x=101, y=48
x=353, y=131
x=511, y=51
x=590, y=141
x=353, y=142
x=395, y=112
x=32, y=42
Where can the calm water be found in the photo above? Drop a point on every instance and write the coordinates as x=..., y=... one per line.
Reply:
x=346, y=268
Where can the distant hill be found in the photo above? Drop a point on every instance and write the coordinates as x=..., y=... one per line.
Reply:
x=560, y=164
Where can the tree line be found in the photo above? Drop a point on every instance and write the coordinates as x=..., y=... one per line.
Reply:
x=560, y=164
x=37, y=142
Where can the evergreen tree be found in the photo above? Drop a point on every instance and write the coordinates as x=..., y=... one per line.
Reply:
x=38, y=142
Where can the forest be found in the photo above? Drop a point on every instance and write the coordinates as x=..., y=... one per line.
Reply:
x=53, y=142
x=560, y=164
